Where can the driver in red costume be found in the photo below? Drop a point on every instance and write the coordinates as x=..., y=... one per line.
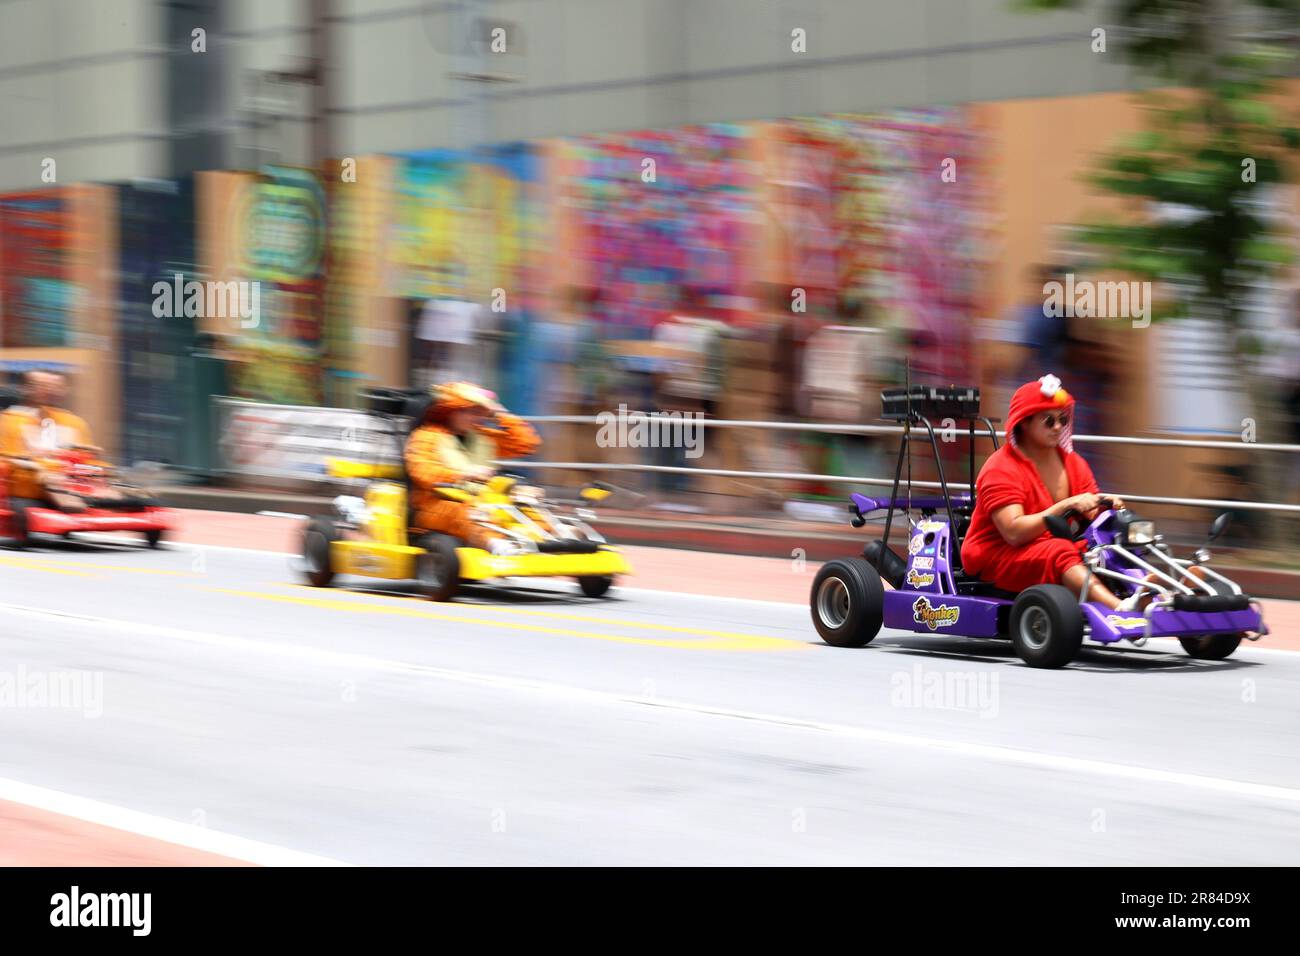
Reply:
x=1037, y=473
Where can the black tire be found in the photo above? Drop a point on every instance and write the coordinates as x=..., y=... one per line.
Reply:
x=1046, y=626
x=20, y=540
x=595, y=585
x=1212, y=647
x=317, y=537
x=153, y=537
x=438, y=568
x=847, y=603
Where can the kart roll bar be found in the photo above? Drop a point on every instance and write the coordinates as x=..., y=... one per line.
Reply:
x=915, y=417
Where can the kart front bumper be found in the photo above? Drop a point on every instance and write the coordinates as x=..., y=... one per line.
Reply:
x=478, y=565
x=397, y=562
x=50, y=521
x=1107, y=627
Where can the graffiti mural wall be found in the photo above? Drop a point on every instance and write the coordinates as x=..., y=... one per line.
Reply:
x=37, y=294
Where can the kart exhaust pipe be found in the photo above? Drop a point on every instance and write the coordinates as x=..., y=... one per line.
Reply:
x=885, y=559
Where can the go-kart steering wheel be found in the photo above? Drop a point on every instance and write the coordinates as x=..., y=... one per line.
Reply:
x=1073, y=523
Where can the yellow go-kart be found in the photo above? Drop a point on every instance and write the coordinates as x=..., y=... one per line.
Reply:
x=369, y=536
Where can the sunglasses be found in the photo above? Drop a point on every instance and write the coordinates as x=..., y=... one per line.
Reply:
x=1050, y=420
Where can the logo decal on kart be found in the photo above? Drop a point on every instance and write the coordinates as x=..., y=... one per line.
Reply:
x=934, y=617
x=1114, y=620
x=925, y=564
x=915, y=545
x=932, y=525
x=918, y=580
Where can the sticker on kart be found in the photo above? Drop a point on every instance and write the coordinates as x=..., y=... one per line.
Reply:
x=1114, y=620
x=944, y=615
x=918, y=580
x=923, y=564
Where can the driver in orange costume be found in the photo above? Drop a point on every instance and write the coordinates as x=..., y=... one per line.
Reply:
x=32, y=435
x=463, y=431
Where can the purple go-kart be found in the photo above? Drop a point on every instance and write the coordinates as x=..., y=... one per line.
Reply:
x=1047, y=623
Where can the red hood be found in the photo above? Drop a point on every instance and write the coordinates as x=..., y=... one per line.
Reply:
x=1044, y=395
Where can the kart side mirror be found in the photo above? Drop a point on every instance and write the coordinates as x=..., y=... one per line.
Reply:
x=1220, y=525
x=1059, y=527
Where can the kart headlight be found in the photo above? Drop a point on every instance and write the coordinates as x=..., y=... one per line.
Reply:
x=1140, y=532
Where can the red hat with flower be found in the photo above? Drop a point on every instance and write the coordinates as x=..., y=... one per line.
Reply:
x=1044, y=395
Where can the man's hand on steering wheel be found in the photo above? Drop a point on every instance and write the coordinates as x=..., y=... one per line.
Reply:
x=1085, y=504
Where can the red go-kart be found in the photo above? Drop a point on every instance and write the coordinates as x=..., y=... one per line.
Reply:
x=109, y=505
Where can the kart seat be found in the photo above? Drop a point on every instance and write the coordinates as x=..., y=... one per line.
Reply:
x=970, y=585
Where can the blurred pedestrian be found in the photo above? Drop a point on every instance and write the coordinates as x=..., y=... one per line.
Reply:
x=1043, y=337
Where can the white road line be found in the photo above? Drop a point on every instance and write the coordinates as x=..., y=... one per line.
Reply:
x=993, y=752
x=157, y=828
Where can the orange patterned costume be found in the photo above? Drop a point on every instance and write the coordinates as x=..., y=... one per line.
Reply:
x=435, y=456
x=37, y=435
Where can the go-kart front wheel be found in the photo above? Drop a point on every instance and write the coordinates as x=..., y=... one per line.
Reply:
x=595, y=585
x=1046, y=626
x=438, y=568
x=317, y=537
x=153, y=537
x=848, y=603
x=1211, y=647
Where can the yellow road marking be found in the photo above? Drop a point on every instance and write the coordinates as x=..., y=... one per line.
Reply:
x=556, y=615
x=87, y=570
x=715, y=640
x=41, y=566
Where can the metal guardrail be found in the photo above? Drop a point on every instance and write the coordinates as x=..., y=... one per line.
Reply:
x=289, y=453
x=832, y=428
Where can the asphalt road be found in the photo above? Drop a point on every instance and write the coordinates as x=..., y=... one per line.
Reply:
x=536, y=726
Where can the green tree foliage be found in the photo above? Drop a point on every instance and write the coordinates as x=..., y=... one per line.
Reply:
x=1217, y=136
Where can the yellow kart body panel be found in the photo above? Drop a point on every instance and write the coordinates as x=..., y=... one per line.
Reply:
x=373, y=559
x=396, y=562
x=346, y=468
x=385, y=551
x=478, y=565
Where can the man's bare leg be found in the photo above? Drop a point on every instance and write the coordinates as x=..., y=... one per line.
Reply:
x=1073, y=579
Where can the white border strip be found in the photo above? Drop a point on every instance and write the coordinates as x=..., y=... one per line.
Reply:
x=156, y=828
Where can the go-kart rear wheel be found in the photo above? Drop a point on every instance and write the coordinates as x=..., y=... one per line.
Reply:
x=317, y=537
x=1211, y=647
x=438, y=568
x=153, y=537
x=847, y=603
x=1046, y=626
x=19, y=539
x=595, y=585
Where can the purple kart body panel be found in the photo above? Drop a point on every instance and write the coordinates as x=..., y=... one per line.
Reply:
x=943, y=613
